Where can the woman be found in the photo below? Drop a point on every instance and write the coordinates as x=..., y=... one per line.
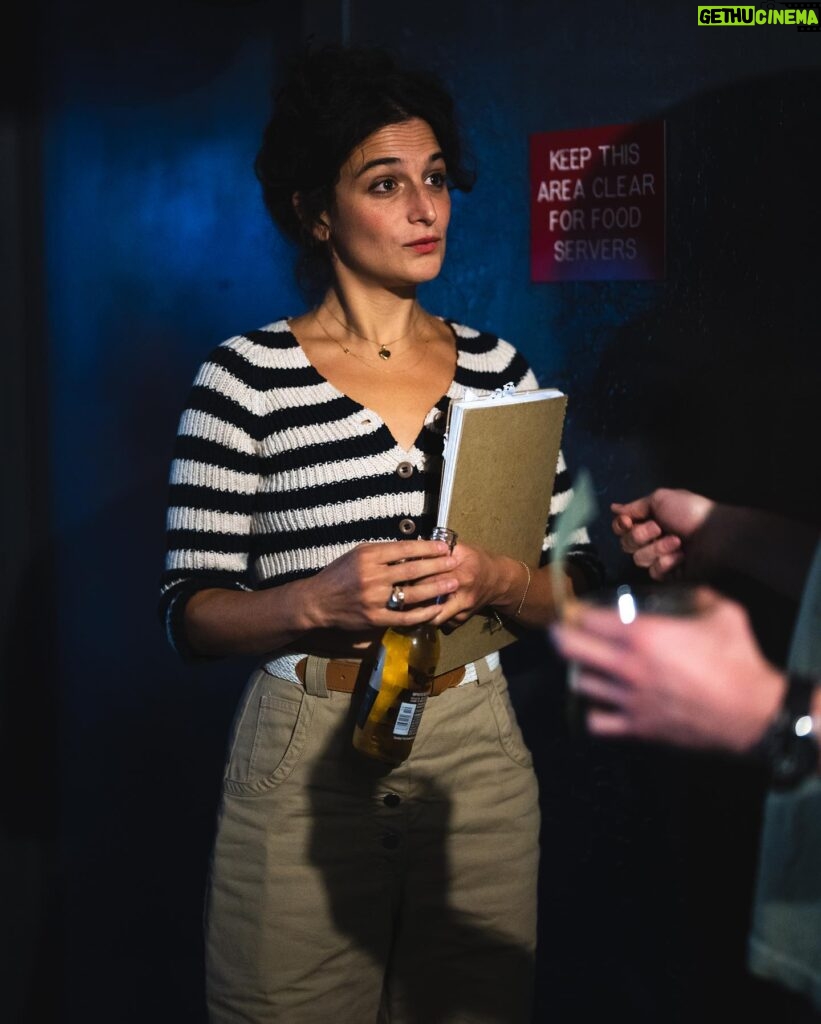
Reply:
x=308, y=466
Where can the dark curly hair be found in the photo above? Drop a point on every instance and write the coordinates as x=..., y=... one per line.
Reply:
x=333, y=99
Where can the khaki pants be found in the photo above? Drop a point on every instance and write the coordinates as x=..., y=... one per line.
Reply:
x=346, y=892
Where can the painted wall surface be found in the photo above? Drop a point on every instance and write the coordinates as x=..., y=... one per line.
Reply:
x=156, y=248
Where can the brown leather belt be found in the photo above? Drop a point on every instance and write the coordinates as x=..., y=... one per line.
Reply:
x=342, y=676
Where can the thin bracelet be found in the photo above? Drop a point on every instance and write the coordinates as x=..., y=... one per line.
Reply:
x=527, y=588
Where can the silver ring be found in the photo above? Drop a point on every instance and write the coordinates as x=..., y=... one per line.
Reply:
x=396, y=602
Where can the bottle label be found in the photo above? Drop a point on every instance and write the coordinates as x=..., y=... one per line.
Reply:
x=409, y=714
x=372, y=689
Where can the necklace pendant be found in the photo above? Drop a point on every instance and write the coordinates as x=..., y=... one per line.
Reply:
x=384, y=353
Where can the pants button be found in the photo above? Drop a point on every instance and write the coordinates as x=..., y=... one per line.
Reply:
x=390, y=840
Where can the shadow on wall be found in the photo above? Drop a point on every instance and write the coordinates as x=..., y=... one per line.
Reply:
x=711, y=384
x=717, y=379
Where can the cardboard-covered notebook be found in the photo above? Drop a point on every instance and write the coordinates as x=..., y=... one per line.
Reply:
x=499, y=464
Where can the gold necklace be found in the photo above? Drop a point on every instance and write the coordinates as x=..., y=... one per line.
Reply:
x=383, y=346
x=349, y=352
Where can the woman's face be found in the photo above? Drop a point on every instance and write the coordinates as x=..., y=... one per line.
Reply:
x=391, y=208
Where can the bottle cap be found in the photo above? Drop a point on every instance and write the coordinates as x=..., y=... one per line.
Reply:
x=443, y=533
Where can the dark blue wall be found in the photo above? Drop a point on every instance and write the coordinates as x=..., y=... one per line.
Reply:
x=156, y=247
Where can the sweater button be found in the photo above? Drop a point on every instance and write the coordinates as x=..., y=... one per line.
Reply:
x=391, y=800
x=390, y=840
x=404, y=469
x=407, y=526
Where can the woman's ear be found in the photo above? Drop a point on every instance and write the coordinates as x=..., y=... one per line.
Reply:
x=319, y=228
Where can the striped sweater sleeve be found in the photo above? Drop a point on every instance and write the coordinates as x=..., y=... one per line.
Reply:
x=213, y=485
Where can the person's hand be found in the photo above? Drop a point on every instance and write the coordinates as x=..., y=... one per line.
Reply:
x=697, y=681
x=352, y=592
x=483, y=579
x=658, y=530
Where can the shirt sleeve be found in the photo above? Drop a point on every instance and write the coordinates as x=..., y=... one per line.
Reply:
x=213, y=486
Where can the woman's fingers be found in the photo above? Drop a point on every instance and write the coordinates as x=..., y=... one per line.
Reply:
x=408, y=617
x=417, y=569
x=429, y=589
x=404, y=561
x=394, y=551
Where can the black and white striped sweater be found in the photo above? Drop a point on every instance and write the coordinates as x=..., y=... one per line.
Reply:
x=277, y=473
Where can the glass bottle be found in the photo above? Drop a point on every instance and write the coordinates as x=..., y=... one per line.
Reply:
x=399, y=686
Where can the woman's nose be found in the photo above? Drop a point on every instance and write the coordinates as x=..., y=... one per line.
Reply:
x=422, y=207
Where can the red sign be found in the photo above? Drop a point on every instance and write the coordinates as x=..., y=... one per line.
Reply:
x=597, y=203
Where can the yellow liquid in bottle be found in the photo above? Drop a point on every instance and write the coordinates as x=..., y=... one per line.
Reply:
x=397, y=692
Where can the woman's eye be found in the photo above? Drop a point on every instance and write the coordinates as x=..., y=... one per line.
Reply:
x=438, y=179
x=383, y=185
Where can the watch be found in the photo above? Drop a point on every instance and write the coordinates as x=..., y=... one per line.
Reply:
x=790, y=744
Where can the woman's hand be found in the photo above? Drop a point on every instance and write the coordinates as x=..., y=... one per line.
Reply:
x=483, y=579
x=352, y=592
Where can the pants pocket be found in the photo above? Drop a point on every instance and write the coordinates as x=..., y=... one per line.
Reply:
x=269, y=735
x=510, y=735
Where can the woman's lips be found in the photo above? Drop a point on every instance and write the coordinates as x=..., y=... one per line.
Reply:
x=423, y=245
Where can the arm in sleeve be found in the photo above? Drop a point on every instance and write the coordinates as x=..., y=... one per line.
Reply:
x=213, y=484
